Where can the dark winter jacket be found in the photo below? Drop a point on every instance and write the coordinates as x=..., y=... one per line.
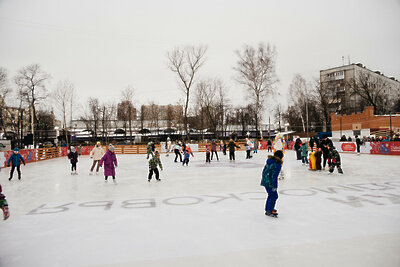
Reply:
x=358, y=141
x=232, y=146
x=154, y=162
x=73, y=156
x=324, y=145
x=271, y=172
x=335, y=156
x=16, y=159
x=297, y=144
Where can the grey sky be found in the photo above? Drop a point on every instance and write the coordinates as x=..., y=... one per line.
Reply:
x=104, y=46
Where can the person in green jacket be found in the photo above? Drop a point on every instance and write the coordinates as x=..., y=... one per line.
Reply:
x=153, y=163
x=304, y=153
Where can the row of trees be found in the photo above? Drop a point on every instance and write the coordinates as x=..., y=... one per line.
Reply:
x=255, y=71
x=312, y=102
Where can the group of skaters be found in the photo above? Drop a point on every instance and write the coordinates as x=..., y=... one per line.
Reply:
x=101, y=158
x=325, y=153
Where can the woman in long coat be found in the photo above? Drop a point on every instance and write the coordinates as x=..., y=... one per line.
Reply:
x=110, y=162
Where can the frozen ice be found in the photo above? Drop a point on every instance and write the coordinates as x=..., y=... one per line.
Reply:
x=203, y=214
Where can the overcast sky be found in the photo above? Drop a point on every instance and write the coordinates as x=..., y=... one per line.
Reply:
x=104, y=46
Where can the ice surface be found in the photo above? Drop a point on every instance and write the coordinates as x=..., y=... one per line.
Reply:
x=203, y=214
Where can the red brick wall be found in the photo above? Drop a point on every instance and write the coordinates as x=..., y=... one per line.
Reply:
x=367, y=119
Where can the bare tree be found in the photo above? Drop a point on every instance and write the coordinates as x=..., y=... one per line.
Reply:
x=210, y=96
x=32, y=80
x=4, y=91
x=154, y=115
x=186, y=62
x=320, y=96
x=91, y=117
x=372, y=90
x=107, y=112
x=298, y=96
x=127, y=98
x=256, y=72
x=62, y=95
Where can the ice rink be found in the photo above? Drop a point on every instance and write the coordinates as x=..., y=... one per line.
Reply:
x=203, y=214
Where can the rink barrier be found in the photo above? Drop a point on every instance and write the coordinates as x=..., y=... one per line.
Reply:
x=40, y=154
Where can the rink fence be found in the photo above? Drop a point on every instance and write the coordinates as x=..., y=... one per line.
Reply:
x=40, y=154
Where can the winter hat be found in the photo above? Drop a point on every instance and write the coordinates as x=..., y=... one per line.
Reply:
x=16, y=149
x=73, y=149
x=111, y=148
x=278, y=154
x=98, y=143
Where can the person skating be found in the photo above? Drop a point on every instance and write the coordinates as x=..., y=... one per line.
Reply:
x=149, y=149
x=110, y=162
x=312, y=143
x=304, y=153
x=186, y=156
x=325, y=150
x=96, y=154
x=224, y=149
x=335, y=159
x=248, y=151
x=318, y=155
x=168, y=146
x=214, y=149
x=270, y=181
x=269, y=145
x=297, y=146
x=358, y=142
x=208, y=154
x=256, y=143
x=73, y=157
x=177, y=150
x=4, y=205
x=232, y=147
x=153, y=163
x=16, y=159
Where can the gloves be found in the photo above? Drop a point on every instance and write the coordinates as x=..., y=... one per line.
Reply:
x=334, y=161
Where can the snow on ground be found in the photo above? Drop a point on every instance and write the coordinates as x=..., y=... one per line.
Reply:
x=203, y=214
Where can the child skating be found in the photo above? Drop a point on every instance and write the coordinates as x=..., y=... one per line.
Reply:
x=270, y=182
x=186, y=156
x=304, y=153
x=16, y=159
x=73, y=157
x=4, y=205
x=110, y=162
x=335, y=159
x=153, y=163
x=96, y=153
x=208, y=154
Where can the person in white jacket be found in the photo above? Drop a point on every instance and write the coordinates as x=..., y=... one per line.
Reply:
x=96, y=154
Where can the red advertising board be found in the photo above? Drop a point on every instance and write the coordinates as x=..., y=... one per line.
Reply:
x=385, y=148
x=29, y=155
x=348, y=147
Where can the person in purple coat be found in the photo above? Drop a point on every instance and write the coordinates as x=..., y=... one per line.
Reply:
x=110, y=162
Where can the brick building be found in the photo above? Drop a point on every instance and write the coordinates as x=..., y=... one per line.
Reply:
x=341, y=99
x=364, y=124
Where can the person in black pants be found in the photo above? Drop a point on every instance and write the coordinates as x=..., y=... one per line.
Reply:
x=16, y=159
x=325, y=143
x=358, y=143
x=177, y=151
x=73, y=157
x=297, y=146
x=312, y=143
x=232, y=147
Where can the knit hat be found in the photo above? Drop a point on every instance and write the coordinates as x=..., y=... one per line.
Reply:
x=98, y=143
x=16, y=149
x=111, y=148
x=73, y=149
x=278, y=154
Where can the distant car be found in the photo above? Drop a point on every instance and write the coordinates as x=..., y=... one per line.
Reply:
x=123, y=143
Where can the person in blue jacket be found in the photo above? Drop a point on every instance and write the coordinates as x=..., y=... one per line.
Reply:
x=16, y=159
x=270, y=181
